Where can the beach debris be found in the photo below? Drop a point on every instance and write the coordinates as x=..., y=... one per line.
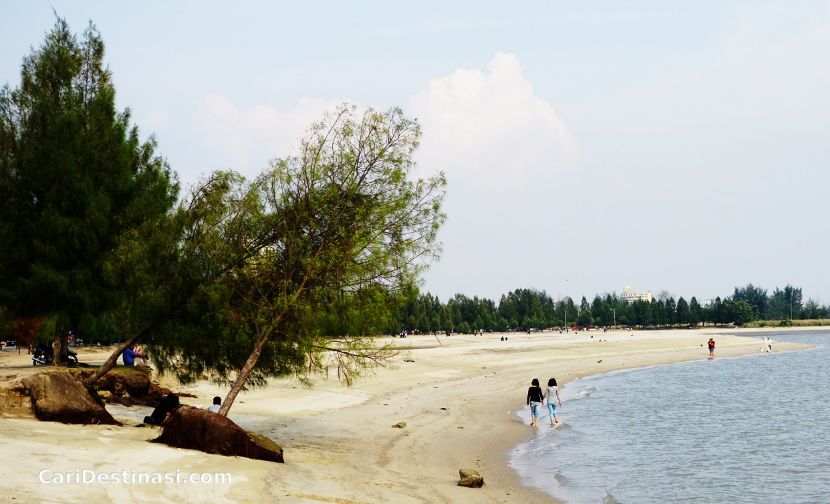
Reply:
x=409, y=360
x=445, y=409
x=470, y=478
x=400, y=425
x=59, y=397
x=203, y=430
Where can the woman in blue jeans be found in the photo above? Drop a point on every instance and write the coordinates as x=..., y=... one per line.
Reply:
x=551, y=395
x=534, y=400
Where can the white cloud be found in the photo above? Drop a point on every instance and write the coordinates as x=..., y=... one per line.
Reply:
x=490, y=125
x=246, y=139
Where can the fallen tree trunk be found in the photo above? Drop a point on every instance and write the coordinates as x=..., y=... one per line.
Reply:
x=203, y=430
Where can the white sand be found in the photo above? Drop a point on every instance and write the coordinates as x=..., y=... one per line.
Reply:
x=457, y=399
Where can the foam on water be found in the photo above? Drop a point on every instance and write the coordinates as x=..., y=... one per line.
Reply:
x=749, y=429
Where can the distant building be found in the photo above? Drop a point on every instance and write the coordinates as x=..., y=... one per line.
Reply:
x=629, y=295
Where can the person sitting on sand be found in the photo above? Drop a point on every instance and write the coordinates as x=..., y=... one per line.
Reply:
x=711, y=347
x=163, y=410
x=534, y=400
x=217, y=403
x=550, y=393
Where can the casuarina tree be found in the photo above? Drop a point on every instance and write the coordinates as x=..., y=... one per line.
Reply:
x=74, y=179
x=345, y=219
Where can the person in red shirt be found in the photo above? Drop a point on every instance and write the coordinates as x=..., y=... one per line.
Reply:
x=711, y=347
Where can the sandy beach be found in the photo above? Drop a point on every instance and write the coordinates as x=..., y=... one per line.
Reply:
x=457, y=395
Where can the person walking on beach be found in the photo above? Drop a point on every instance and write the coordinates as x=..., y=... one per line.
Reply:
x=550, y=393
x=711, y=347
x=534, y=400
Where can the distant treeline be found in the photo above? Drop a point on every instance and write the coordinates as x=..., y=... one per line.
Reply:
x=525, y=309
x=376, y=311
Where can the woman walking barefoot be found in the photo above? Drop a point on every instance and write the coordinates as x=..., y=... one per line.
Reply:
x=534, y=400
x=550, y=393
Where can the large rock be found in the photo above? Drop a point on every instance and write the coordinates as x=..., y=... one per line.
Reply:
x=14, y=399
x=203, y=430
x=470, y=478
x=59, y=397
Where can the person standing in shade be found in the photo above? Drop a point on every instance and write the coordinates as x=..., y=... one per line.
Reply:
x=711, y=347
x=534, y=400
x=551, y=394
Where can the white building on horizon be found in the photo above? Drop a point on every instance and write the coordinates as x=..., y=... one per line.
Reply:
x=629, y=295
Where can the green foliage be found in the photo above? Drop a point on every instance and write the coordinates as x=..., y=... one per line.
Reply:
x=584, y=318
x=683, y=312
x=515, y=310
x=740, y=312
x=785, y=303
x=74, y=180
x=755, y=296
x=695, y=312
x=343, y=235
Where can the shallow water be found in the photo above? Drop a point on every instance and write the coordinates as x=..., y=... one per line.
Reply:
x=749, y=429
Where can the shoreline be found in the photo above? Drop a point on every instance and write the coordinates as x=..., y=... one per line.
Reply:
x=521, y=435
x=458, y=399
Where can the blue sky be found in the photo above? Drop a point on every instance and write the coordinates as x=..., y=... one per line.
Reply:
x=588, y=145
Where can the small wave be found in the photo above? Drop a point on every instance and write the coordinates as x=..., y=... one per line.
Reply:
x=540, y=449
x=609, y=499
x=585, y=392
x=561, y=478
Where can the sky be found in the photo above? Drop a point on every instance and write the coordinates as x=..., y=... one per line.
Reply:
x=588, y=146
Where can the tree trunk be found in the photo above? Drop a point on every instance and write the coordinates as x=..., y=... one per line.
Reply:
x=113, y=358
x=245, y=372
x=60, y=350
x=64, y=354
x=56, y=350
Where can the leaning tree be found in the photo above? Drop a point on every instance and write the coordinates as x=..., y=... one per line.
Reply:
x=344, y=220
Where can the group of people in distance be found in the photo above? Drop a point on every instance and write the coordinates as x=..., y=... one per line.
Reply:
x=536, y=397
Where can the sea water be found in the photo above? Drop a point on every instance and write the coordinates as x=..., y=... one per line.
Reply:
x=752, y=429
